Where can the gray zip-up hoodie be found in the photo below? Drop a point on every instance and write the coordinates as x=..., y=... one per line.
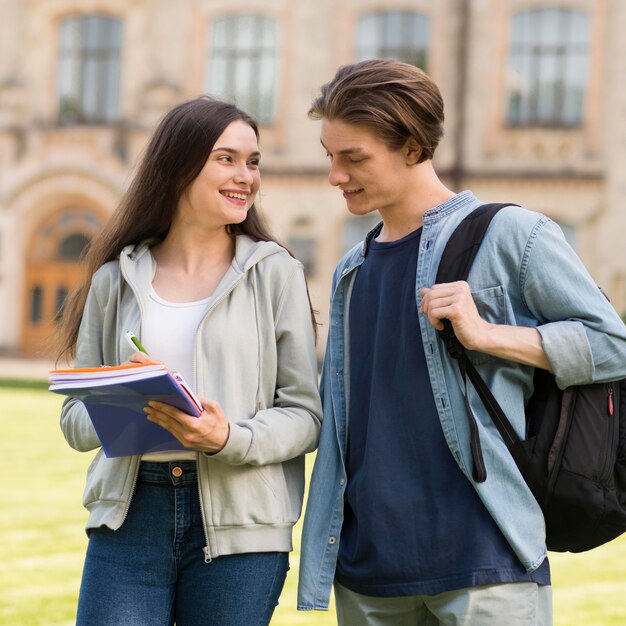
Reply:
x=254, y=354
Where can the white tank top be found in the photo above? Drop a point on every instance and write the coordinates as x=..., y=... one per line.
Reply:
x=169, y=332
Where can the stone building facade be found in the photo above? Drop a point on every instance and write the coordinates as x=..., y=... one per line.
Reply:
x=535, y=114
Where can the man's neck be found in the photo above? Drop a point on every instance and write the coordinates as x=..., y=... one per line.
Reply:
x=429, y=192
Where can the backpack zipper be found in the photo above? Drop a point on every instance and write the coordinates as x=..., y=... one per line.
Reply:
x=611, y=434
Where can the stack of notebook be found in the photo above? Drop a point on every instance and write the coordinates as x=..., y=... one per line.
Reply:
x=115, y=397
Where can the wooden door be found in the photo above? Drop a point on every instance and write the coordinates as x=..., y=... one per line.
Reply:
x=53, y=270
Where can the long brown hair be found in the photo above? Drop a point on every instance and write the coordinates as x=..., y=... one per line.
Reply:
x=175, y=155
x=394, y=100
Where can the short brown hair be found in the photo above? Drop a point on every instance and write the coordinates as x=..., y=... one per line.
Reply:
x=395, y=100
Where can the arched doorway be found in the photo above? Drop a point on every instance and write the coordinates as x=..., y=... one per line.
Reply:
x=53, y=270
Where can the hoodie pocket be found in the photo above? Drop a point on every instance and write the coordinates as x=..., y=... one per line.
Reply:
x=107, y=479
x=248, y=495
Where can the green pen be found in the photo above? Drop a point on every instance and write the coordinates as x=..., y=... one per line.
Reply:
x=134, y=342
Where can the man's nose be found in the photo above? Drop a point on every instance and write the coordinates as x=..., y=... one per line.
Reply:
x=337, y=175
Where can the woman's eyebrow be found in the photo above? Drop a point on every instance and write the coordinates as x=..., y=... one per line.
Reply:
x=233, y=151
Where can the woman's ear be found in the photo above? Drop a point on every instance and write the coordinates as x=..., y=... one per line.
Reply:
x=412, y=152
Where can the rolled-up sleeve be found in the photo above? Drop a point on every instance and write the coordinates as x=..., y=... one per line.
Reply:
x=583, y=336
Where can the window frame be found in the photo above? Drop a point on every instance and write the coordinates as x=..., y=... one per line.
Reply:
x=225, y=49
x=82, y=62
x=382, y=22
x=531, y=59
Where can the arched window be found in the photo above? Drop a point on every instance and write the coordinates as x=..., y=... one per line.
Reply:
x=72, y=246
x=61, y=297
x=547, y=67
x=243, y=63
x=400, y=35
x=89, y=69
x=36, y=304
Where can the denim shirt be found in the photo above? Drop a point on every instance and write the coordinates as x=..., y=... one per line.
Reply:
x=525, y=274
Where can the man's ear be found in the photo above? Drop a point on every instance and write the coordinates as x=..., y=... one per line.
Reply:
x=412, y=152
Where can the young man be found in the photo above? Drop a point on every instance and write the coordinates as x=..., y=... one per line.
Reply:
x=395, y=519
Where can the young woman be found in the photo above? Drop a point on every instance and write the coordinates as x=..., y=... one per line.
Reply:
x=202, y=535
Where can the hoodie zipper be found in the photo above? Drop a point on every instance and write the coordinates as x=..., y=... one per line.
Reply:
x=206, y=550
x=140, y=307
x=208, y=557
x=132, y=493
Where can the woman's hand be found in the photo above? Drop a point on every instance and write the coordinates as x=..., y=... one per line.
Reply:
x=139, y=357
x=207, y=433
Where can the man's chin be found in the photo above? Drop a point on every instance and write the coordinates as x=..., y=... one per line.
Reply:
x=359, y=208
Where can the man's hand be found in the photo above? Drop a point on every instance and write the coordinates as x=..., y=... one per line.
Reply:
x=453, y=301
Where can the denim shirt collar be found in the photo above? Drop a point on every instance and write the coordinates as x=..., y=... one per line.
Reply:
x=458, y=201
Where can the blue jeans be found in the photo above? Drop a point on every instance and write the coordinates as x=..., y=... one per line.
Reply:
x=151, y=571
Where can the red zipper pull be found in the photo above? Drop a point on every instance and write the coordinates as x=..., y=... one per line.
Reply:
x=609, y=406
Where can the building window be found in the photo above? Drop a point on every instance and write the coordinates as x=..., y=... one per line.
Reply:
x=36, y=304
x=356, y=228
x=71, y=247
x=400, y=35
x=547, y=68
x=569, y=233
x=303, y=248
x=61, y=297
x=243, y=63
x=89, y=69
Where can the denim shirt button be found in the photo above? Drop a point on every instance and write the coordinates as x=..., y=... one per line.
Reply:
x=342, y=481
x=331, y=540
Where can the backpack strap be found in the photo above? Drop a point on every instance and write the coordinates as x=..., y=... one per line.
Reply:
x=463, y=244
x=455, y=264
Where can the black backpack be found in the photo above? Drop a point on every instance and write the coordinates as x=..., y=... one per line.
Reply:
x=574, y=455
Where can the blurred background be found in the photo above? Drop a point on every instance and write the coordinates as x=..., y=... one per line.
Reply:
x=535, y=98
x=535, y=95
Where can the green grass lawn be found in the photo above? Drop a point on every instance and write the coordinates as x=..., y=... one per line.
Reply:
x=42, y=541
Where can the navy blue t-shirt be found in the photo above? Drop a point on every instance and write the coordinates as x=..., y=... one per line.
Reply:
x=413, y=522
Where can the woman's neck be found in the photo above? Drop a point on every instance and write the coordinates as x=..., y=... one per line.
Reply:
x=190, y=265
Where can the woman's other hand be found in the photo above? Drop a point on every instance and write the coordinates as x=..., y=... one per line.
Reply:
x=206, y=433
x=139, y=357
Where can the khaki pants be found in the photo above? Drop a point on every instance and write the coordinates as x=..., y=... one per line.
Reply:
x=510, y=604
